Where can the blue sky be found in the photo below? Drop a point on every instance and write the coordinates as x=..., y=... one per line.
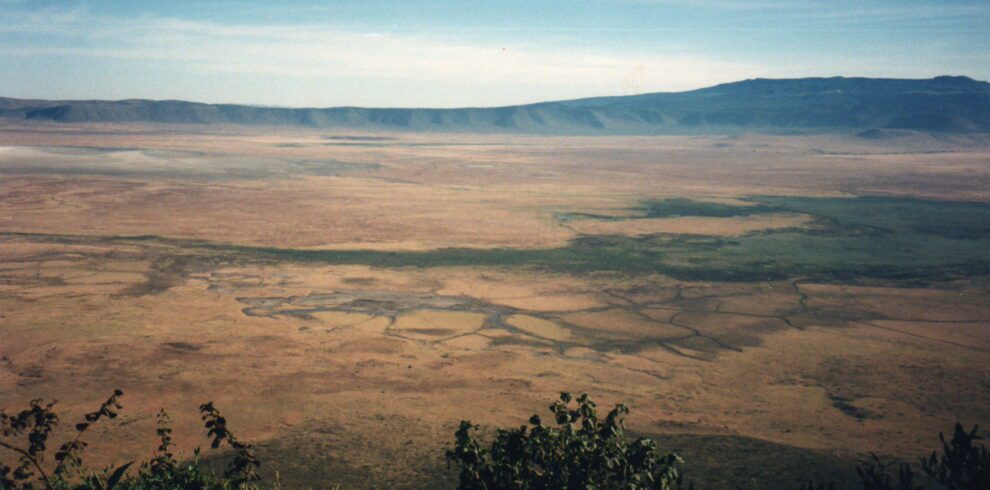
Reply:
x=404, y=53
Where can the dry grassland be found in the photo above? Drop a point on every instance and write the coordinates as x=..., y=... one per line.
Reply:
x=362, y=372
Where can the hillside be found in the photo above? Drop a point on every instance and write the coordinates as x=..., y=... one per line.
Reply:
x=942, y=104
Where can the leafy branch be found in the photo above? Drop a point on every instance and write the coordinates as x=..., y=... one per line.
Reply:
x=242, y=470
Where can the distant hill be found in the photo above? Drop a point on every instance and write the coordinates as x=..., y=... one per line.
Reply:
x=807, y=105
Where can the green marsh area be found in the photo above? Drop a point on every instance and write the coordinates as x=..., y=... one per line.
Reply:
x=852, y=238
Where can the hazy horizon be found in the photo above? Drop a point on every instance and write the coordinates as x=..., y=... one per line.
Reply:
x=468, y=54
x=275, y=106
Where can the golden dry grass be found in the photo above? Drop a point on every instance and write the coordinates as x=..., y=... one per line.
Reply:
x=389, y=360
x=699, y=226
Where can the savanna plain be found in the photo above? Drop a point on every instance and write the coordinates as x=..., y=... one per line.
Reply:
x=770, y=307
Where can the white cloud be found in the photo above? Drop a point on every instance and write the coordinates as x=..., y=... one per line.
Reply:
x=319, y=65
x=500, y=73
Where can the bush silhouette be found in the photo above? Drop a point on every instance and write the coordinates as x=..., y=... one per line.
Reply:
x=579, y=451
x=27, y=433
x=961, y=466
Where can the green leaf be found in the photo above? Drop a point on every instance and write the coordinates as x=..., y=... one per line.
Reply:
x=117, y=475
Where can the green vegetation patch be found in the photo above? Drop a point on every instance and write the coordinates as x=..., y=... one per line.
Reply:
x=907, y=241
x=897, y=239
x=681, y=207
x=676, y=207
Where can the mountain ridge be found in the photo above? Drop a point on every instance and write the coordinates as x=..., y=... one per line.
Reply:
x=944, y=104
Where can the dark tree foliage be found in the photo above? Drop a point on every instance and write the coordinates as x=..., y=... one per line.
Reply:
x=962, y=465
x=34, y=427
x=875, y=476
x=26, y=435
x=242, y=470
x=579, y=451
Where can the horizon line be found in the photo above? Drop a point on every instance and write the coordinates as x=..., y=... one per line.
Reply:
x=521, y=104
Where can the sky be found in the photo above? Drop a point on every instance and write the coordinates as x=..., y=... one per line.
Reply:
x=458, y=53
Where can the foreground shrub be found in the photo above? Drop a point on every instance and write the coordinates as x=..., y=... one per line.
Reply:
x=962, y=465
x=578, y=452
x=26, y=434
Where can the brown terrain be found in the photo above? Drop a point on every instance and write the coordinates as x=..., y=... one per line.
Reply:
x=359, y=373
